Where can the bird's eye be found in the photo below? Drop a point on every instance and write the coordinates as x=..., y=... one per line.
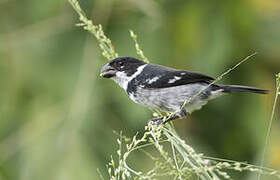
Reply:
x=120, y=63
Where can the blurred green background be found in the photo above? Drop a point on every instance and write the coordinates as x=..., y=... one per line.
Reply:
x=58, y=115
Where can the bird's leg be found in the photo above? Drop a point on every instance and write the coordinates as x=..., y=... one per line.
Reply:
x=158, y=121
x=178, y=115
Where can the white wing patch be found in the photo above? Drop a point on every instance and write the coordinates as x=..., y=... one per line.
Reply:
x=154, y=79
x=174, y=79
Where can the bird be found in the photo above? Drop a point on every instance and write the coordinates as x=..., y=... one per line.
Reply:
x=167, y=89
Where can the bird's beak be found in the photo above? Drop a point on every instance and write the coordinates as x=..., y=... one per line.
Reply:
x=108, y=71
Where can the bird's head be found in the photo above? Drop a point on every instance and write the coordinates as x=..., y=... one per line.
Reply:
x=121, y=65
x=121, y=69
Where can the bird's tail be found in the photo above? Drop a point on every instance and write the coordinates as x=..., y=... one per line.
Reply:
x=237, y=88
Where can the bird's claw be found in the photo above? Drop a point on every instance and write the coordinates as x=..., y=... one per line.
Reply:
x=156, y=121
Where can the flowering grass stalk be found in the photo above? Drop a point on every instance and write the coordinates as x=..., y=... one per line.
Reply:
x=105, y=43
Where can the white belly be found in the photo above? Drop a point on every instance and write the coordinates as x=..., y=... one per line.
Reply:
x=172, y=98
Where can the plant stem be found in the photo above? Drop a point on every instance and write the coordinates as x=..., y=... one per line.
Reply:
x=270, y=122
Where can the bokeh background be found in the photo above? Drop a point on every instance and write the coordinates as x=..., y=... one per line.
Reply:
x=57, y=116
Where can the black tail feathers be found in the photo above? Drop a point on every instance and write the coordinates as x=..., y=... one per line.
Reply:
x=236, y=88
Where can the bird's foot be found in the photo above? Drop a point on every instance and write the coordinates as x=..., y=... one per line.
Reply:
x=166, y=119
x=162, y=120
x=156, y=121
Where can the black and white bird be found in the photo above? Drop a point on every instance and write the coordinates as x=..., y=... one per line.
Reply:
x=166, y=89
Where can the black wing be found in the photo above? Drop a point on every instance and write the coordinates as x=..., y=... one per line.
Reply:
x=156, y=76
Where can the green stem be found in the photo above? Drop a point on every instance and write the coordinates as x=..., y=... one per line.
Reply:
x=270, y=124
